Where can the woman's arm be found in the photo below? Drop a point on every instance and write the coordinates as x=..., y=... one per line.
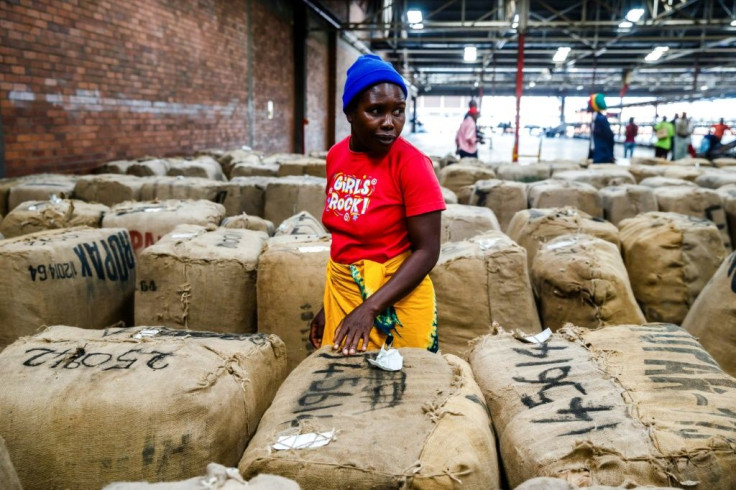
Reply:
x=424, y=235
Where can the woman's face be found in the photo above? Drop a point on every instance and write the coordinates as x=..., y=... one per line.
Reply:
x=378, y=118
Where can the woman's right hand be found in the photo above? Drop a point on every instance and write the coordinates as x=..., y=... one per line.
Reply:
x=317, y=329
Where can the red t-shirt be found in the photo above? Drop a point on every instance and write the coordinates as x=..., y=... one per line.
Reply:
x=369, y=199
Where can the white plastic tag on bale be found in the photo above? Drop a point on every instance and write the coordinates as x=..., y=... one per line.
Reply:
x=304, y=441
x=387, y=359
x=539, y=338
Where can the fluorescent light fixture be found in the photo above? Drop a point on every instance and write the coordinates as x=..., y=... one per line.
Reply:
x=417, y=27
x=704, y=88
x=414, y=16
x=561, y=54
x=579, y=87
x=625, y=25
x=515, y=22
x=470, y=54
x=733, y=23
x=532, y=84
x=656, y=53
x=634, y=15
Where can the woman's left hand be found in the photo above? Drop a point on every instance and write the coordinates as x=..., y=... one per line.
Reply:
x=354, y=327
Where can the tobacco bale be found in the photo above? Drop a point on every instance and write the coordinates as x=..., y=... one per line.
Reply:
x=40, y=188
x=279, y=158
x=648, y=161
x=224, y=478
x=728, y=201
x=626, y=201
x=230, y=159
x=79, y=276
x=290, y=289
x=697, y=202
x=248, y=169
x=641, y=172
x=318, y=154
x=246, y=222
x=457, y=176
x=724, y=162
x=236, y=197
x=555, y=193
x=8, y=476
x=204, y=167
x=190, y=397
x=713, y=179
x=303, y=166
x=524, y=173
x=464, y=194
x=150, y=167
x=547, y=483
x=286, y=196
x=655, y=182
x=301, y=224
x=109, y=189
x=582, y=280
x=622, y=405
x=504, y=198
x=114, y=167
x=693, y=162
x=448, y=196
x=178, y=275
x=532, y=228
x=5, y=186
x=669, y=257
x=712, y=317
x=422, y=427
x=253, y=193
x=494, y=268
x=460, y=222
x=148, y=221
x=685, y=173
x=33, y=216
x=597, y=177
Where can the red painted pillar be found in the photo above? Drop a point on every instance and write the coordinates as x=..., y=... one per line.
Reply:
x=519, y=90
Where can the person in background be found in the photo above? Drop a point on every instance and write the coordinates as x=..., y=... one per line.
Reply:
x=674, y=125
x=383, y=205
x=601, y=131
x=719, y=130
x=664, y=132
x=683, y=130
x=466, y=139
x=630, y=141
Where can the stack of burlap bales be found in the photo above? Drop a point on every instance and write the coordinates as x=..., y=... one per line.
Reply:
x=33, y=216
x=460, y=222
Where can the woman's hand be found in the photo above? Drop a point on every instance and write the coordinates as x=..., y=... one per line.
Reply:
x=317, y=329
x=354, y=327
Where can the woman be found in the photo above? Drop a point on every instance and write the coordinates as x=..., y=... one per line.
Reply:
x=601, y=131
x=466, y=139
x=383, y=209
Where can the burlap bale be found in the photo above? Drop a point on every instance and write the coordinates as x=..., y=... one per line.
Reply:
x=303, y=166
x=247, y=222
x=204, y=167
x=109, y=189
x=582, y=280
x=626, y=201
x=684, y=173
x=547, y=483
x=697, y=202
x=727, y=194
x=532, y=228
x=712, y=317
x=553, y=193
x=504, y=198
x=478, y=282
x=83, y=408
x=449, y=196
x=8, y=476
x=666, y=182
x=715, y=178
x=623, y=405
x=524, y=173
x=148, y=221
x=597, y=177
x=648, y=161
x=669, y=257
x=693, y=162
x=215, y=153
x=33, y=216
x=248, y=169
x=425, y=426
x=231, y=158
x=724, y=162
x=217, y=478
x=563, y=165
x=151, y=167
x=457, y=176
x=78, y=276
x=464, y=194
x=279, y=158
x=40, y=188
x=460, y=222
x=235, y=196
x=448, y=159
x=114, y=167
x=291, y=286
x=179, y=278
x=318, y=154
x=5, y=186
x=253, y=193
x=436, y=166
x=301, y=224
x=641, y=172
x=286, y=196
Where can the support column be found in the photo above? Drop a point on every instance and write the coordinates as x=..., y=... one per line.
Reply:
x=562, y=110
x=519, y=91
x=299, y=30
x=331, y=87
x=414, y=114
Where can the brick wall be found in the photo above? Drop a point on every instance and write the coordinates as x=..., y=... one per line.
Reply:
x=84, y=82
x=346, y=56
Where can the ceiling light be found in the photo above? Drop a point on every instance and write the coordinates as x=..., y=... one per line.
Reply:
x=634, y=15
x=470, y=54
x=532, y=84
x=515, y=22
x=656, y=53
x=625, y=25
x=579, y=87
x=414, y=16
x=476, y=83
x=561, y=54
x=417, y=27
x=704, y=88
x=733, y=23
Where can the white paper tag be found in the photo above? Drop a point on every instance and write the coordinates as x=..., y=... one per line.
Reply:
x=146, y=333
x=183, y=235
x=314, y=248
x=487, y=243
x=304, y=441
x=562, y=243
x=539, y=338
x=388, y=359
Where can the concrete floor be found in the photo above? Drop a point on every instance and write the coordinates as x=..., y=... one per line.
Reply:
x=440, y=144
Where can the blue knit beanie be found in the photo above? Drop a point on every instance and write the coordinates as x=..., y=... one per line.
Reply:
x=368, y=70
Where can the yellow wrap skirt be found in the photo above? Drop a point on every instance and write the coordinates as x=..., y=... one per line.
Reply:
x=411, y=322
